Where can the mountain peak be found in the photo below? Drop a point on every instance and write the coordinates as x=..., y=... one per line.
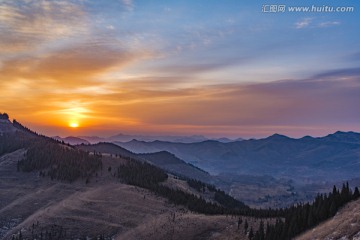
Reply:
x=277, y=136
x=344, y=137
x=307, y=137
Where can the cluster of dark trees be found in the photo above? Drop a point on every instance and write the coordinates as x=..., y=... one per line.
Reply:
x=150, y=177
x=141, y=174
x=228, y=201
x=59, y=162
x=302, y=217
x=198, y=185
x=219, y=195
x=10, y=142
x=4, y=116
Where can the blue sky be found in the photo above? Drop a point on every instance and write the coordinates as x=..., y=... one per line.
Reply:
x=218, y=68
x=238, y=37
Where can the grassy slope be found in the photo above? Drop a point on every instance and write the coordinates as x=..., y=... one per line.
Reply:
x=102, y=206
x=344, y=225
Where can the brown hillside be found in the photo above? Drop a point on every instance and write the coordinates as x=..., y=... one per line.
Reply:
x=33, y=204
x=345, y=225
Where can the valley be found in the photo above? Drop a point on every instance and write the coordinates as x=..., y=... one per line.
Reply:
x=275, y=171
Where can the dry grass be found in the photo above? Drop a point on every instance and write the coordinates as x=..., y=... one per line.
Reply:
x=179, y=224
x=344, y=225
x=104, y=206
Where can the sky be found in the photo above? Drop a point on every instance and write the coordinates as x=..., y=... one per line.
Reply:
x=216, y=68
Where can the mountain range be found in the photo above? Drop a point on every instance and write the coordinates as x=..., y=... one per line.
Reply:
x=71, y=140
x=146, y=138
x=334, y=157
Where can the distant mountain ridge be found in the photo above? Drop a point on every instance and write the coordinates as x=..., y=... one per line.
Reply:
x=180, y=139
x=308, y=158
x=71, y=140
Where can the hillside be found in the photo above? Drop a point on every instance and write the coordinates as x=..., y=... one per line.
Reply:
x=164, y=160
x=344, y=225
x=35, y=206
x=54, y=191
x=173, y=164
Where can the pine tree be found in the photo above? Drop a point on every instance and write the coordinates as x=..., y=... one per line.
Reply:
x=246, y=226
x=356, y=194
x=251, y=234
x=261, y=230
x=239, y=222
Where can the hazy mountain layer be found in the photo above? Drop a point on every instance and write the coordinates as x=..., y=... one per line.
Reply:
x=178, y=139
x=334, y=157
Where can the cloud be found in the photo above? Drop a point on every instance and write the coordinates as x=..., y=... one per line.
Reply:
x=308, y=22
x=71, y=66
x=325, y=99
x=329, y=24
x=56, y=42
x=303, y=23
x=32, y=23
x=347, y=73
x=128, y=4
x=193, y=67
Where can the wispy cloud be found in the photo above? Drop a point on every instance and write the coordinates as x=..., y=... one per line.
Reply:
x=309, y=22
x=348, y=73
x=303, y=23
x=329, y=24
x=76, y=65
x=129, y=4
x=32, y=23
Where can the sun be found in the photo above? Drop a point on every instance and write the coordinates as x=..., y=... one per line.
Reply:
x=73, y=125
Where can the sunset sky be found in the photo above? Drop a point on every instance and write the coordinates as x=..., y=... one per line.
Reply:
x=216, y=68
